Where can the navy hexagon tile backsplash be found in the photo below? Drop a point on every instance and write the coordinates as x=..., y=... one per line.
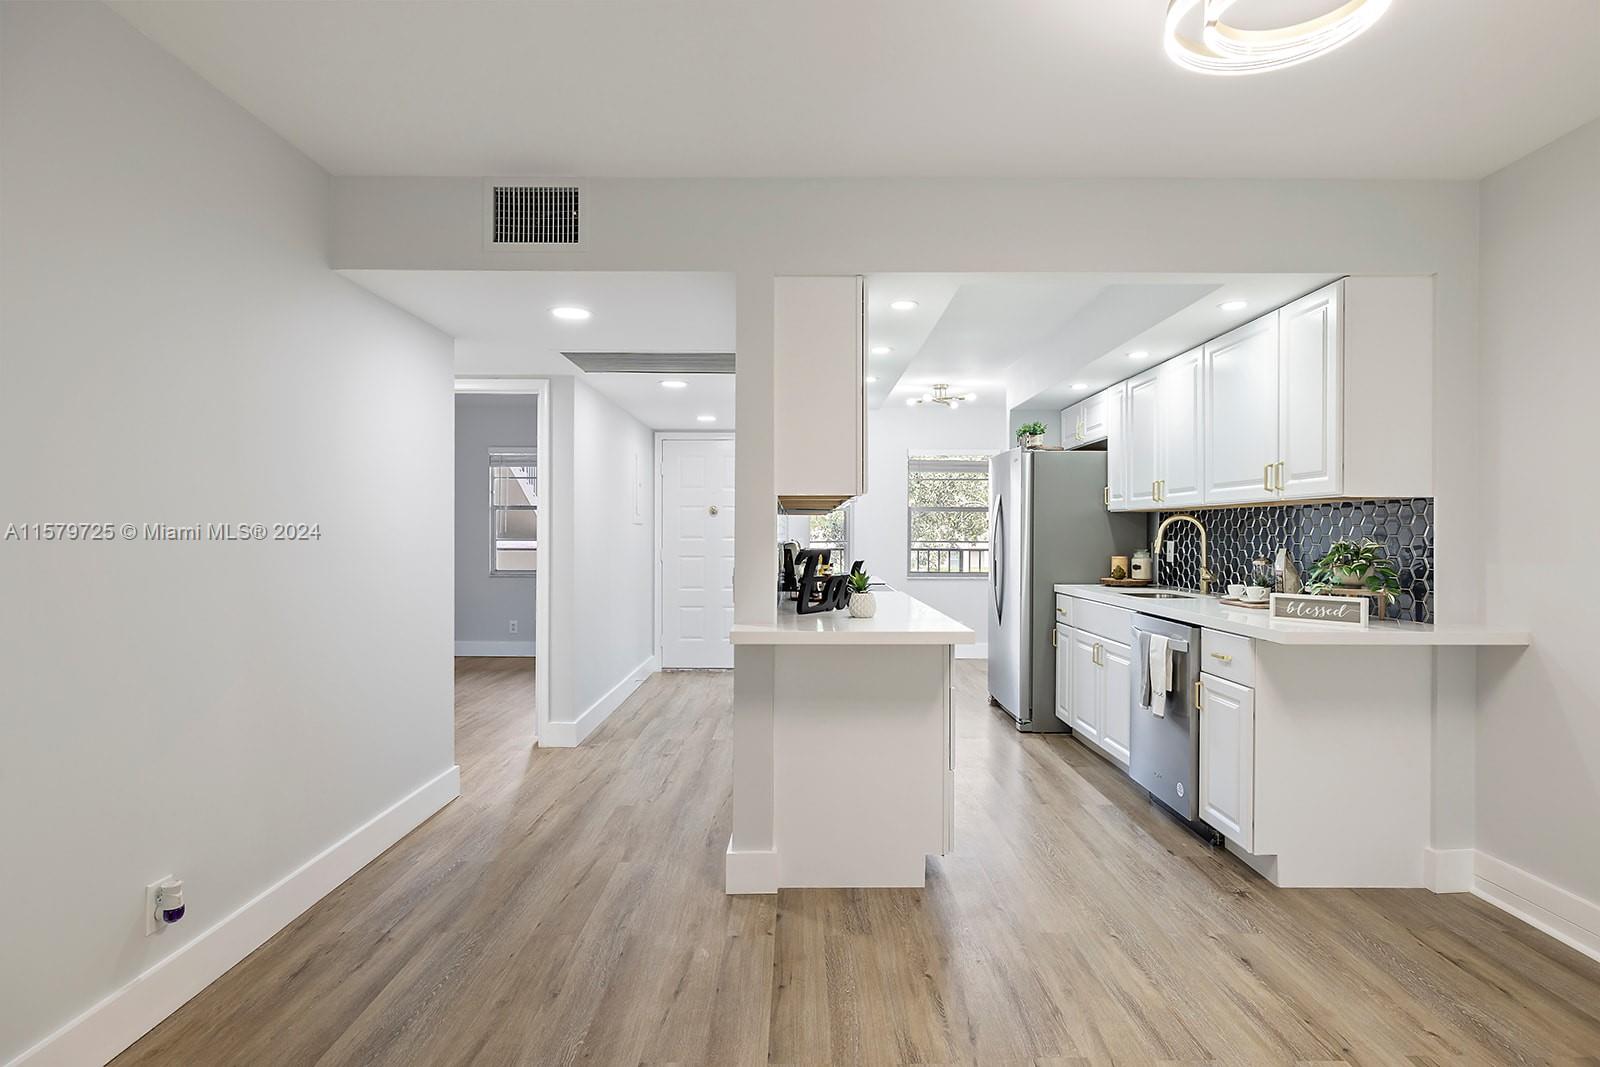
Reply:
x=1238, y=535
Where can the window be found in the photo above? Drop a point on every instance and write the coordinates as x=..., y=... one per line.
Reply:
x=513, y=512
x=831, y=531
x=947, y=500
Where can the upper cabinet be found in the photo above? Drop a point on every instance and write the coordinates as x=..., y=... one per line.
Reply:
x=1329, y=397
x=1241, y=413
x=1090, y=420
x=820, y=431
x=1163, y=438
x=1116, y=408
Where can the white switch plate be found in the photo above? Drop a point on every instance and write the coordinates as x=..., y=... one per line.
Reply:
x=151, y=926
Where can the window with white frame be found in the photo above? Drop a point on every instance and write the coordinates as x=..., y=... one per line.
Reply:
x=947, y=506
x=831, y=531
x=513, y=512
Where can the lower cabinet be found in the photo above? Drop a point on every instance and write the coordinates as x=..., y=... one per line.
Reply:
x=1095, y=678
x=1227, y=759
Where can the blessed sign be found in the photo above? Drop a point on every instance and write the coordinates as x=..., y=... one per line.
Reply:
x=1336, y=610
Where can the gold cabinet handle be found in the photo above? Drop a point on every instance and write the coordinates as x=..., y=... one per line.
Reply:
x=1054, y=635
x=1108, y=496
x=1224, y=657
x=1280, y=475
x=1197, y=693
x=1266, y=478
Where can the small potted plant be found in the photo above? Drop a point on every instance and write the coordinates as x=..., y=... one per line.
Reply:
x=1030, y=434
x=1356, y=565
x=863, y=605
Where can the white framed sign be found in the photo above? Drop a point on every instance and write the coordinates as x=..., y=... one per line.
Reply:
x=1329, y=610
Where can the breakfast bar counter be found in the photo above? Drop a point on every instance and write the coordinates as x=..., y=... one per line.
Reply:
x=843, y=765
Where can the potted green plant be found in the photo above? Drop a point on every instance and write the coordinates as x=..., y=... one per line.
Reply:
x=863, y=605
x=1356, y=565
x=1030, y=434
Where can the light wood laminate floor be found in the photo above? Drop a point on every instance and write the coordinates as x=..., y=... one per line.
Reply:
x=569, y=909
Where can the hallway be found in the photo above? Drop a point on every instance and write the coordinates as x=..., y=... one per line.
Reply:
x=569, y=908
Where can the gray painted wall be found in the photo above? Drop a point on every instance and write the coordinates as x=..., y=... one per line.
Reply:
x=486, y=605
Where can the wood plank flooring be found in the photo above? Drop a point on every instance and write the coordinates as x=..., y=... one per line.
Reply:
x=569, y=909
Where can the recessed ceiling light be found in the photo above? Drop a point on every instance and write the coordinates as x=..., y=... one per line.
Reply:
x=1078, y=387
x=705, y=418
x=1234, y=305
x=673, y=383
x=903, y=305
x=570, y=314
x=1141, y=354
x=871, y=380
x=881, y=350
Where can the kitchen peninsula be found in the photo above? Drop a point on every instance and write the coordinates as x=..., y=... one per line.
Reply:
x=843, y=765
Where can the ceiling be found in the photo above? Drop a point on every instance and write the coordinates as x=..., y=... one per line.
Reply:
x=756, y=88
x=1041, y=341
x=502, y=324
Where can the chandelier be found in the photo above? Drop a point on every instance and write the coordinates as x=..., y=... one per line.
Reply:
x=1224, y=49
x=942, y=395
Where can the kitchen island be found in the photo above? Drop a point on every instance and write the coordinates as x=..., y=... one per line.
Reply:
x=843, y=764
x=1326, y=756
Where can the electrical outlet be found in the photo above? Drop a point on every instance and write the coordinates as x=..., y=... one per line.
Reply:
x=1169, y=548
x=513, y=625
x=151, y=924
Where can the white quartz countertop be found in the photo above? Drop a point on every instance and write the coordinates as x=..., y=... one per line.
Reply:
x=1211, y=613
x=901, y=620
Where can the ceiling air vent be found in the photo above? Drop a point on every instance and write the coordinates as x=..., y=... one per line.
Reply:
x=533, y=215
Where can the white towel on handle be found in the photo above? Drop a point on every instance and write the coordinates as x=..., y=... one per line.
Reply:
x=1160, y=669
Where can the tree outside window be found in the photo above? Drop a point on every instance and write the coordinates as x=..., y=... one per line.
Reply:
x=947, y=498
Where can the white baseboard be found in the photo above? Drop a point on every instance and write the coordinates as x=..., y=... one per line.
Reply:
x=122, y=1018
x=572, y=734
x=1562, y=914
x=494, y=648
x=1448, y=870
x=751, y=871
x=977, y=651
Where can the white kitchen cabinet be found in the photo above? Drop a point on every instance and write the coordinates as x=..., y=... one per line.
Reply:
x=1063, y=642
x=1180, y=474
x=1309, y=407
x=1083, y=672
x=819, y=428
x=1242, y=413
x=1098, y=690
x=1141, y=440
x=1227, y=759
x=1116, y=701
x=1116, y=402
x=1087, y=421
x=1072, y=426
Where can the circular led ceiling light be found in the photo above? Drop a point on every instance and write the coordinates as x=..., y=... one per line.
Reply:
x=1224, y=49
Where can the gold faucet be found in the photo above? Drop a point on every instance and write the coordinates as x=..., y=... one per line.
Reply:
x=1206, y=577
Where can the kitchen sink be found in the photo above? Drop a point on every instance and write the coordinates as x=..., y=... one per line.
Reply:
x=1152, y=594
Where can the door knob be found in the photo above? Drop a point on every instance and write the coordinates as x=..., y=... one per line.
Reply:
x=712, y=509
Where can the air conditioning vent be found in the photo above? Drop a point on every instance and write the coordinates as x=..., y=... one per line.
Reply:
x=531, y=216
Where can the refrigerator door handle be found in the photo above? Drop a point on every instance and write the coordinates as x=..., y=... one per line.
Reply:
x=997, y=558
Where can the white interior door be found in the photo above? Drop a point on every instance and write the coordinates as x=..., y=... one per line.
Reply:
x=696, y=552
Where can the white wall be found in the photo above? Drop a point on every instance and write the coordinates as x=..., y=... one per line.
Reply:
x=878, y=520
x=486, y=604
x=175, y=349
x=1539, y=733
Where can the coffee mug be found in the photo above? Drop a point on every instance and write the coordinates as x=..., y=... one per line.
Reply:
x=1255, y=594
x=1236, y=591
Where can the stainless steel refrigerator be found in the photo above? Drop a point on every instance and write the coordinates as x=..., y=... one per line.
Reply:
x=1048, y=523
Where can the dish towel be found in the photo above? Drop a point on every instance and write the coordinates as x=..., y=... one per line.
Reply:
x=1160, y=671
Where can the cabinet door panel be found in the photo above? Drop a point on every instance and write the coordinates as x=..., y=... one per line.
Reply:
x=1142, y=437
x=1084, y=675
x=1116, y=401
x=1116, y=718
x=1310, y=404
x=1241, y=413
x=1180, y=463
x=1064, y=674
x=1227, y=759
x=820, y=450
x=1094, y=425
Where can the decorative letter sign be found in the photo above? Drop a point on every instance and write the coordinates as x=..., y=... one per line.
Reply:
x=1333, y=610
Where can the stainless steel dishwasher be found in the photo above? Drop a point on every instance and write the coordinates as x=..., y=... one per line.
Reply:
x=1166, y=747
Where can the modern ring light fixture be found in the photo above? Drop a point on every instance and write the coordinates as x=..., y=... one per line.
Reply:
x=1224, y=49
